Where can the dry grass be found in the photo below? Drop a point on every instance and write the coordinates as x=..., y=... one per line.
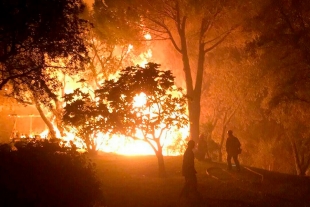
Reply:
x=134, y=182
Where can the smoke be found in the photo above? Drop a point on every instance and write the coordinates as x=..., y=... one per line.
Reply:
x=165, y=55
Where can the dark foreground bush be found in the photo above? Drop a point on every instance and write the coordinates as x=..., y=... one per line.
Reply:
x=39, y=174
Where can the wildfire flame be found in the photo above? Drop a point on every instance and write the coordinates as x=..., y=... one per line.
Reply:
x=121, y=144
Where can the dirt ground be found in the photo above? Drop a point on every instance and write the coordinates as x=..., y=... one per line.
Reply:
x=134, y=182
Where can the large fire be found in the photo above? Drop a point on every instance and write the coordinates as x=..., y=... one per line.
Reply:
x=112, y=143
x=121, y=144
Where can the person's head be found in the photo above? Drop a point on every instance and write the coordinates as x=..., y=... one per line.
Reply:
x=230, y=132
x=191, y=144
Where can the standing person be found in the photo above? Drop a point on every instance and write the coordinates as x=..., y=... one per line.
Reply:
x=188, y=170
x=202, y=149
x=233, y=149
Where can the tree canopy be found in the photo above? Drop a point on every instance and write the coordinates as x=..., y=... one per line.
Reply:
x=163, y=105
x=193, y=28
x=142, y=103
x=282, y=53
x=38, y=41
x=35, y=33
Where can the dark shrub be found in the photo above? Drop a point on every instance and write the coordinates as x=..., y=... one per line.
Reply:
x=42, y=174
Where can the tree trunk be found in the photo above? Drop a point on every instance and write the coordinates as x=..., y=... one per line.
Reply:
x=58, y=117
x=194, y=116
x=208, y=138
x=159, y=154
x=46, y=121
x=193, y=102
x=90, y=144
x=222, y=144
x=296, y=157
x=193, y=93
x=220, y=155
x=161, y=164
x=160, y=159
x=301, y=163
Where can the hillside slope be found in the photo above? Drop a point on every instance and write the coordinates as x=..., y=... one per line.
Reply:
x=257, y=187
x=133, y=182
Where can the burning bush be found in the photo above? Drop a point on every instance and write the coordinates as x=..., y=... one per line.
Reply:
x=37, y=174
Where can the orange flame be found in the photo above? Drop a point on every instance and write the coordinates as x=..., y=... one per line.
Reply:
x=121, y=144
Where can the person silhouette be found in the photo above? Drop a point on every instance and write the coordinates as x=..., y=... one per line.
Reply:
x=202, y=148
x=233, y=149
x=189, y=171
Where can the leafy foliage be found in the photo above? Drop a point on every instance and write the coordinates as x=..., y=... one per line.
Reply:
x=115, y=108
x=82, y=114
x=282, y=51
x=115, y=21
x=194, y=29
x=164, y=106
x=111, y=39
x=43, y=174
x=34, y=31
x=38, y=41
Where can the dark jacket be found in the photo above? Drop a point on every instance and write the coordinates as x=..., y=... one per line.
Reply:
x=188, y=167
x=232, y=145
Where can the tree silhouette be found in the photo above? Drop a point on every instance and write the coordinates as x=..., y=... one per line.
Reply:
x=82, y=114
x=163, y=109
x=34, y=31
x=282, y=50
x=194, y=29
x=35, y=36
